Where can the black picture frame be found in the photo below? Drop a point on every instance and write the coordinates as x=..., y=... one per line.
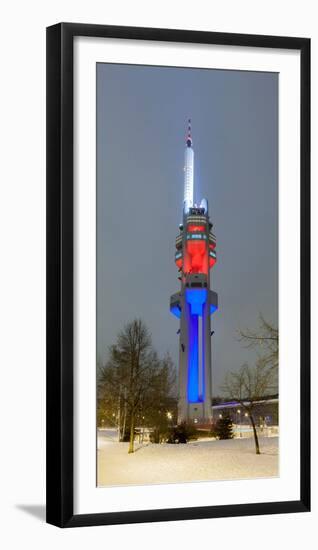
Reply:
x=59, y=448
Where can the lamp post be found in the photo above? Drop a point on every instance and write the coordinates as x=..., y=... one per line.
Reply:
x=246, y=415
x=240, y=427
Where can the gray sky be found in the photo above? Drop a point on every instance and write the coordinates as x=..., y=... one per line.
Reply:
x=142, y=115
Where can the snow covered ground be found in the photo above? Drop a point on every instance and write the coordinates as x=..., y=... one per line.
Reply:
x=195, y=461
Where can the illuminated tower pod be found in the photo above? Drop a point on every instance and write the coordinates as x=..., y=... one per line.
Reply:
x=193, y=305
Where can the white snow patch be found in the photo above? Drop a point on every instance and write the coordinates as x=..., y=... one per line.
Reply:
x=204, y=460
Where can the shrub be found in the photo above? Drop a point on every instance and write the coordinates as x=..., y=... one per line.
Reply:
x=224, y=428
x=181, y=433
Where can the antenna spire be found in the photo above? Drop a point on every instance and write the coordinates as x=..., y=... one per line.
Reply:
x=188, y=170
x=189, y=136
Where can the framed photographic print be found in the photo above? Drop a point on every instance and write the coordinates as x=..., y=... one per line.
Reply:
x=178, y=274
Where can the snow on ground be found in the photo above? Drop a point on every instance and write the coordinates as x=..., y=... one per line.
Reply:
x=196, y=461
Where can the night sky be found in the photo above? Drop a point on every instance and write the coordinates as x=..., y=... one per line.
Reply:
x=142, y=115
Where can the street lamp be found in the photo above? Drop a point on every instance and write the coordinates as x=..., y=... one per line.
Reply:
x=240, y=430
x=246, y=414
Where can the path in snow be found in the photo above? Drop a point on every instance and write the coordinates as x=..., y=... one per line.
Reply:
x=196, y=461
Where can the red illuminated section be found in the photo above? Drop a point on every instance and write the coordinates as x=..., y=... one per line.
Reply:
x=212, y=262
x=197, y=255
x=212, y=252
x=179, y=263
x=194, y=228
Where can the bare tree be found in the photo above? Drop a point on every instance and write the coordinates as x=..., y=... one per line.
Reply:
x=135, y=386
x=264, y=339
x=127, y=374
x=160, y=401
x=247, y=386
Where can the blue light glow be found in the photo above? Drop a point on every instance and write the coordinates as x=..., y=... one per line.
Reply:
x=196, y=298
x=175, y=311
x=193, y=370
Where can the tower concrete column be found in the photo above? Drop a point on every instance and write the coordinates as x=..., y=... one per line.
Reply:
x=194, y=304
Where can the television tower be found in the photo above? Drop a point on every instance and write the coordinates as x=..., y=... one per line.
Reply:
x=193, y=305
